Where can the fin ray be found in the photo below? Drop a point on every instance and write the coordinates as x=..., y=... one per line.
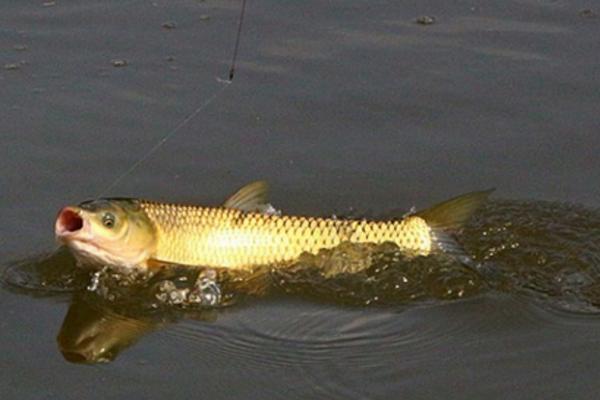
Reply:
x=452, y=214
x=252, y=197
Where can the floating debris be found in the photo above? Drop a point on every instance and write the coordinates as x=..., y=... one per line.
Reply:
x=12, y=66
x=425, y=20
x=119, y=63
x=169, y=25
x=20, y=47
x=49, y=4
x=588, y=13
x=204, y=17
x=170, y=59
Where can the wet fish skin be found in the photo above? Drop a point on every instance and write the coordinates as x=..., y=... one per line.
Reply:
x=222, y=237
x=243, y=233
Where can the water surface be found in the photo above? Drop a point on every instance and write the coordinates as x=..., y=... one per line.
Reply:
x=344, y=107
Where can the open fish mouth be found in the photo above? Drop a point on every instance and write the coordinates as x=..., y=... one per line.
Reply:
x=68, y=222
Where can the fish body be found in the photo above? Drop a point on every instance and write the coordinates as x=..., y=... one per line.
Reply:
x=231, y=238
x=242, y=233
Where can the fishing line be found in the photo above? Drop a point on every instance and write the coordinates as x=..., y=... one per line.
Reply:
x=169, y=135
x=237, y=41
x=224, y=82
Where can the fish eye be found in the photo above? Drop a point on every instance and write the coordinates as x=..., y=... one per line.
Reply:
x=108, y=220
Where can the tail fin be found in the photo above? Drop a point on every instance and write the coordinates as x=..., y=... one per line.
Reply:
x=452, y=215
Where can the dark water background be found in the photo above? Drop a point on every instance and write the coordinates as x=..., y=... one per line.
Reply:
x=341, y=105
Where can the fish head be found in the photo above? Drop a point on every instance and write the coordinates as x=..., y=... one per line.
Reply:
x=113, y=232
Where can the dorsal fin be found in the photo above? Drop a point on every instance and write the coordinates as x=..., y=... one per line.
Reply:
x=252, y=197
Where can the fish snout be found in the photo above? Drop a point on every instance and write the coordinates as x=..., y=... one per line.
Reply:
x=68, y=222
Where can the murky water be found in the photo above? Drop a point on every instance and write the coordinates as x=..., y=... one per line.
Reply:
x=345, y=107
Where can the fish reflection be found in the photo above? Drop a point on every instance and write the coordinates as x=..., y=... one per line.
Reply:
x=111, y=311
x=91, y=333
x=98, y=333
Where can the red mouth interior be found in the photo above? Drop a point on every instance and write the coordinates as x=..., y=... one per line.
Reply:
x=70, y=220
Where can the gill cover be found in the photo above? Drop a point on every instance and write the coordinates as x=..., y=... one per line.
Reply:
x=120, y=231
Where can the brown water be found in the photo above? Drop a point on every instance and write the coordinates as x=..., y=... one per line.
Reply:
x=345, y=107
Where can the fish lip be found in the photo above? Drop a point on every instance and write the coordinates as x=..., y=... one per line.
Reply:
x=70, y=224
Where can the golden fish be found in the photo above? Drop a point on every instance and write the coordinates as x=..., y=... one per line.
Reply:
x=243, y=233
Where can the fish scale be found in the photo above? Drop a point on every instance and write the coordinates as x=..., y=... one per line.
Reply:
x=231, y=238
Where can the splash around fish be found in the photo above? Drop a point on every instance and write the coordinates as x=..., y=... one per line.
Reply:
x=542, y=251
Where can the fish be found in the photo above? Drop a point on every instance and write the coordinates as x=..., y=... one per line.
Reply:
x=243, y=233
